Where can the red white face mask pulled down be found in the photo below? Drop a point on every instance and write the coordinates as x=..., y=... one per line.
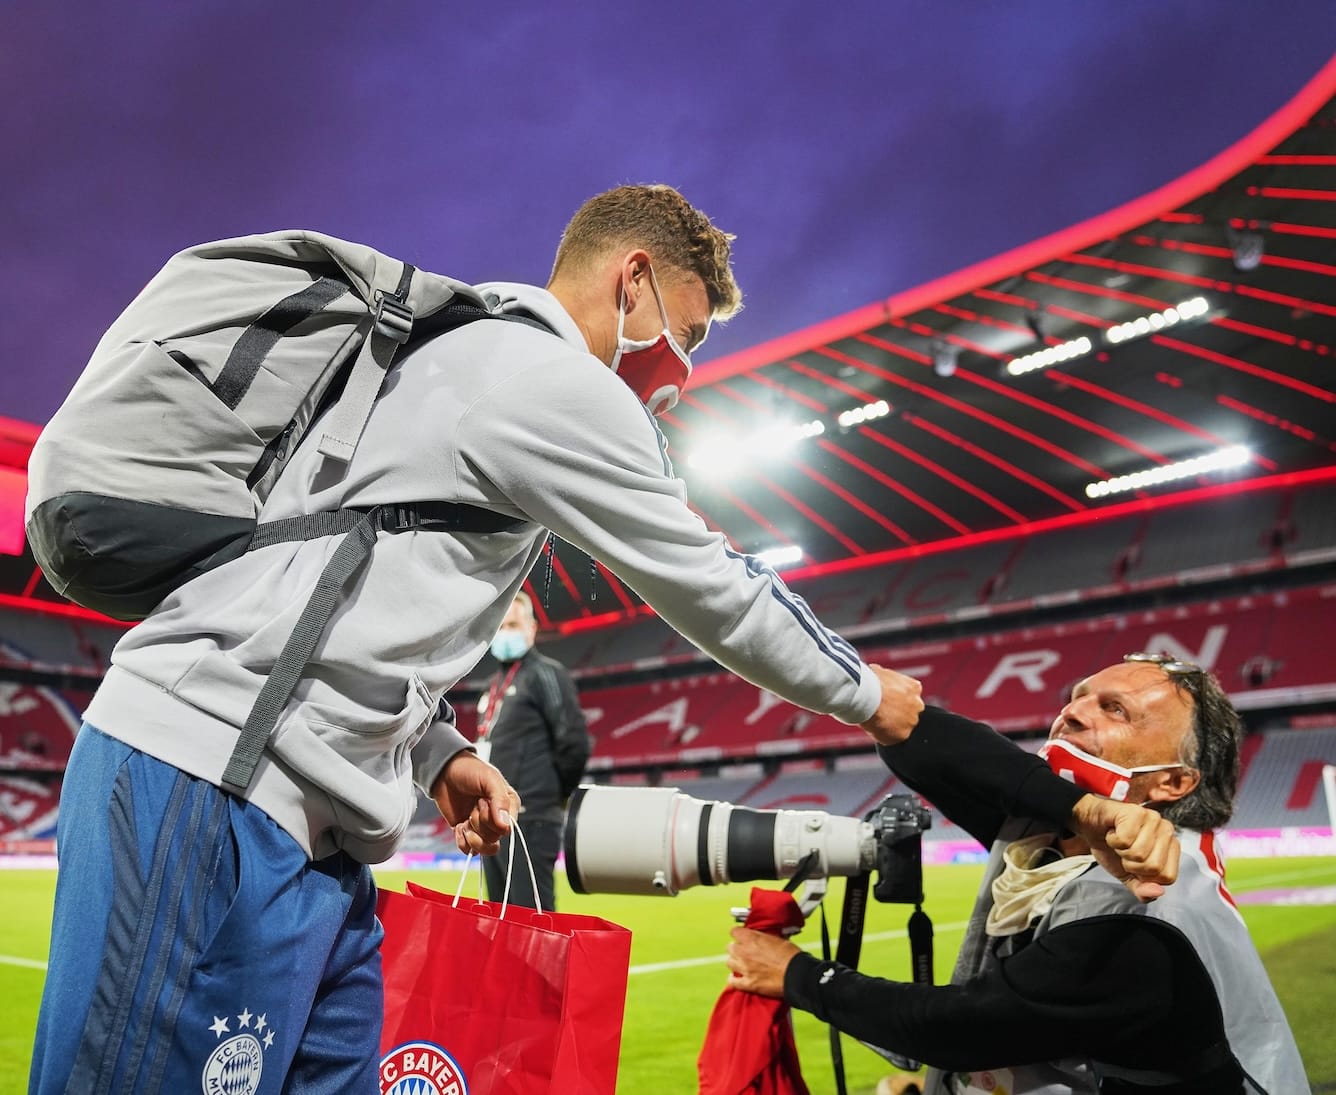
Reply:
x=656, y=369
x=1092, y=774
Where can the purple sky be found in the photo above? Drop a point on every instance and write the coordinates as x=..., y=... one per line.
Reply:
x=856, y=148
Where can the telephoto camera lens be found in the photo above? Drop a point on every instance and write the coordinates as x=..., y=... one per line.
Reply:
x=657, y=840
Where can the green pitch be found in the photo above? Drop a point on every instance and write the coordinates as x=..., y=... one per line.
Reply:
x=677, y=969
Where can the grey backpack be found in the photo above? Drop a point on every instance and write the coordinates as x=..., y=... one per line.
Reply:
x=155, y=468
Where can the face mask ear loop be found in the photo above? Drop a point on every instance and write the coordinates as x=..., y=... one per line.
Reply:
x=658, y=297
x=621, y=317
x=677, y=348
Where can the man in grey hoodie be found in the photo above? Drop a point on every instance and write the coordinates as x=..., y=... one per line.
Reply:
x=201, y=936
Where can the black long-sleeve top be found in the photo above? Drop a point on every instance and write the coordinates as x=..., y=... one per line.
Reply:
x=978, y=778
x=1127, y=991
x=540, y=740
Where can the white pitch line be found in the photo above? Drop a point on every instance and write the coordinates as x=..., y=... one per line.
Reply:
x=716, y=959
x=1260, y=882
x=26, y=963
x=876, y=937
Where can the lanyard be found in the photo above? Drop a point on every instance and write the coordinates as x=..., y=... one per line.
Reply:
x=496, y=696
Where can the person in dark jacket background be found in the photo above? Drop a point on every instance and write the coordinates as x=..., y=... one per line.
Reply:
x=530, y=722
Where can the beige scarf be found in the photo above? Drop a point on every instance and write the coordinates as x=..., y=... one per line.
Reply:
x=1033, y=874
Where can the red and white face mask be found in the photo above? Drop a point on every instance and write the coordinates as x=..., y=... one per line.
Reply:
x=656, y=369
x=1092, y=774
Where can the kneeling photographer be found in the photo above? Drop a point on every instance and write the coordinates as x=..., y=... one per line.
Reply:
x=1066, y=981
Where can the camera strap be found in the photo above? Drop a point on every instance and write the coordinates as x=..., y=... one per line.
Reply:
x=850, y=947
x=846, y=954
x=920, y=945
x=807, y=867
x=836, y=1050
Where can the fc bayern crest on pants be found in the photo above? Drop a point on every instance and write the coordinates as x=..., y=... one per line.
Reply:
x=235, y=1065
x=421, y=1068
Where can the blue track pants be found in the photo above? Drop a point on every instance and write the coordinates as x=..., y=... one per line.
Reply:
x=194, y=947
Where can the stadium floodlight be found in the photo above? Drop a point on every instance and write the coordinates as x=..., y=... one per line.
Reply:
x=1051, y=355
x=1149, y=324
x=781, y=556
x=1155, y=322
x=856, y=416
x=722, y=456
x=1222, y=459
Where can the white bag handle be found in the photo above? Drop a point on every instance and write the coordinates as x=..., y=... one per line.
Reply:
x=464, y=877
x=510, y=868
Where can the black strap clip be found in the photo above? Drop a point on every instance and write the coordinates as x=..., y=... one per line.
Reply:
x=399, y=517
x=394, y=317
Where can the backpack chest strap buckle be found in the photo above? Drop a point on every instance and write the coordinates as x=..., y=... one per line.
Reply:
x=399, y=518
x=394, y=317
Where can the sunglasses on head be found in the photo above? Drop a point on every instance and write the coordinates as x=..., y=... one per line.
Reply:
x=1167, y=662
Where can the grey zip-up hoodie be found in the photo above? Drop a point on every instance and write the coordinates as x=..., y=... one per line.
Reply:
x=499, y=415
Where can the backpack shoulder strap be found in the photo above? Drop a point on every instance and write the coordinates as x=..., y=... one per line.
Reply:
x=396, y=322
x=361, y=525
x=395, y=294
x=296, y=654
x=391, y=326
x=398, y=298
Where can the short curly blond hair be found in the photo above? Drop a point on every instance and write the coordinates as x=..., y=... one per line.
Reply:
x=662, y=222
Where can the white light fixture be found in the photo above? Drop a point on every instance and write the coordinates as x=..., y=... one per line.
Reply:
x=1052, y=355
x=1157, y=321
x=781, y=556
x=1140, y=327
x=945, y=358
x=1247, y=249
x=866, y=413
x=1222, y=459
x=723, y=455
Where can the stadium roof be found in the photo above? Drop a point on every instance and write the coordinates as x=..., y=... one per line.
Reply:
x=1198, y=319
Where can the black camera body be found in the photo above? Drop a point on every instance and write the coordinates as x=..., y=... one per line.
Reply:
x=898, y=824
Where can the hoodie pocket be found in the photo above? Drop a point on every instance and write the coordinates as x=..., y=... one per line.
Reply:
x=361, y=760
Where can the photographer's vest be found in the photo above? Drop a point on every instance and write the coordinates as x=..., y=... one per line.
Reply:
x=1201, y=908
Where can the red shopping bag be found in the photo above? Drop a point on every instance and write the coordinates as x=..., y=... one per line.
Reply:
x=480, y=1004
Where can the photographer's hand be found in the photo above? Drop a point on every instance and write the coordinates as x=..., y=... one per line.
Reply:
x=757, y=961
x=901, y=705
x=475, y=798
x=1135, y=845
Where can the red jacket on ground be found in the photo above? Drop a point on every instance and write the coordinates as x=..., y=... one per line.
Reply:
x=749, y=1047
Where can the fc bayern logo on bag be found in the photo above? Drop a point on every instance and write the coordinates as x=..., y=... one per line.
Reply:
x=421, y=1068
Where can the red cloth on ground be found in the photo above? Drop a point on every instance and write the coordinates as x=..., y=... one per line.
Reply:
x=749, y=1048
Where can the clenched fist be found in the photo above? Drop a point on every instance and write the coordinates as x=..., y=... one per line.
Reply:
x=901, y=704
